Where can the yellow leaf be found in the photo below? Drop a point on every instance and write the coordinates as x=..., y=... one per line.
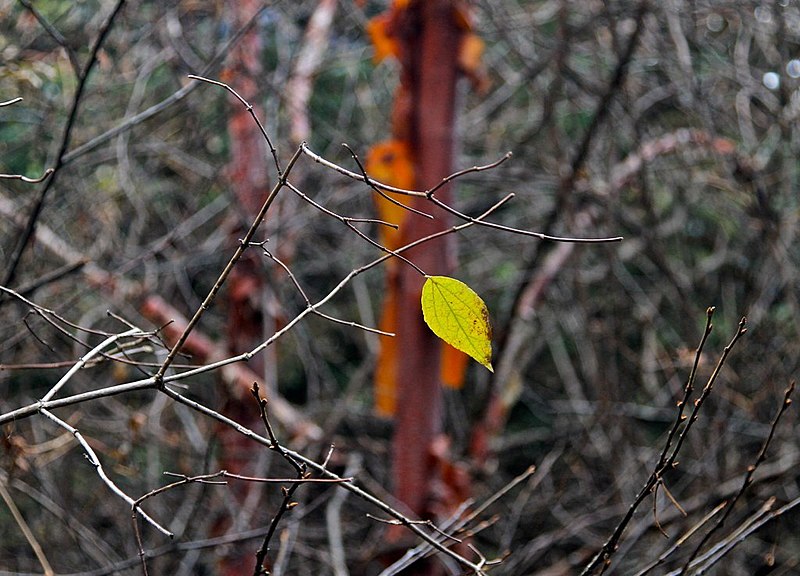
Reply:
x=458, y=316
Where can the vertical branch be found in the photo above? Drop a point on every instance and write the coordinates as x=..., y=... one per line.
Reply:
x=72, y=117
x=288, y=493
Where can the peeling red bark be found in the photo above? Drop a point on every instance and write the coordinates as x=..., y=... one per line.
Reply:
x=430, y=37
x=247, y=174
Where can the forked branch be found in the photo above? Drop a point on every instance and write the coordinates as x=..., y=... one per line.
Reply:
x=602, y=559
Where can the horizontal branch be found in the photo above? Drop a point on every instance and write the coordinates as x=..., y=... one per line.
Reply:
x=320, y=469
x=430, y=195
x=41, y=178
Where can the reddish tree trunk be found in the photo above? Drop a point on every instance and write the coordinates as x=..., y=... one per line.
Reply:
x=247, y=173
x=429, y=74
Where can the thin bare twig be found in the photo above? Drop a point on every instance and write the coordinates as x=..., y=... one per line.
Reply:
x=602, y=559
x=250, y=109
x=95, y=462
x=429, y=194
x=748, y=478
x=688, y=389
x=41, y=178
x=349, y=223
x=24, y=527
x=457, y=524
x=10, y=102
x=134, y=332
x=754, y=523
x=156, y=382
x=376, y=187
x=212, y=294
x=212, y=479
x=209, y=479
x=706, y=391
x=174, y=98
x=680, y=541
x=288, y=493
x=349, y=486
x=521, y=231
x=299, y=288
